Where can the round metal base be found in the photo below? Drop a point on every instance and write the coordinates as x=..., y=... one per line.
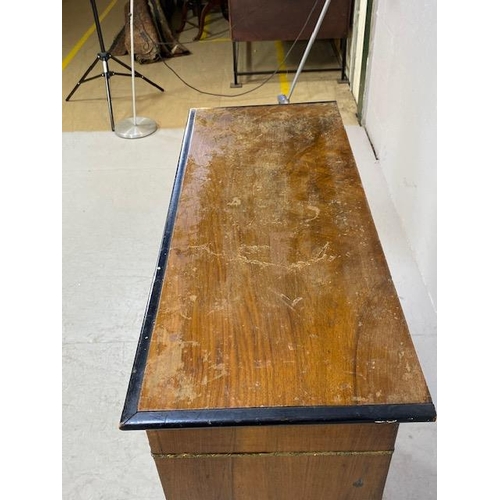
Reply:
x=283, y=99
x=130, y=129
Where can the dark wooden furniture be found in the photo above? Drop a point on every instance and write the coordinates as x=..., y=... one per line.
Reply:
x=275, y=361
x=287, y=20
x=201, y=9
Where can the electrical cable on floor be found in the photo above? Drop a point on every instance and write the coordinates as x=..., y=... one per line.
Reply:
x=247, y=91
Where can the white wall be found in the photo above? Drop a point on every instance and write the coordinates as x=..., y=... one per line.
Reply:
x=400, y=118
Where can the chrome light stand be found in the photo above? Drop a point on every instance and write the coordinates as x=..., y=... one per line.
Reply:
x=136, y=126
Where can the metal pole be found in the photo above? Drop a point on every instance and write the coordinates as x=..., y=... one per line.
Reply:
x=282, y=99
x=135, y=127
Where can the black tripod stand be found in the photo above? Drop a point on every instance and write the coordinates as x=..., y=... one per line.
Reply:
x=104, y=56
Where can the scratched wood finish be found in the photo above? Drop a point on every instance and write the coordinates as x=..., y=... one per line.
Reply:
x=276, y=291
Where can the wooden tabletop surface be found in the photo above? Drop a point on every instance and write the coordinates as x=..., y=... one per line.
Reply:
x=273, y=291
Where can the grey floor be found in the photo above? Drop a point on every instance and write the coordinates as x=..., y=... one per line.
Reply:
x=115, y=198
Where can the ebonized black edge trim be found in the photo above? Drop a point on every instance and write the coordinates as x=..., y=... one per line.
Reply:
x=139, y=365
x=232, y=417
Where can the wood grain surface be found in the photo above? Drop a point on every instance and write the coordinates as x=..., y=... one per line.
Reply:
x=274, y=439
x=304, y=477
x=276, y=289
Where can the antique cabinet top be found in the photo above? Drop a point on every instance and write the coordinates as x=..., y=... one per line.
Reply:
x=272, y=301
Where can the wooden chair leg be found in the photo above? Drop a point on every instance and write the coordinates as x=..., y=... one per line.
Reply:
x=201, y=19
x=195, y=6
x=185, y=8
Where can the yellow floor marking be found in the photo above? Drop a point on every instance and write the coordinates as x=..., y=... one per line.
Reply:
x=280, y=54
x=206, y=32
x=86, y=36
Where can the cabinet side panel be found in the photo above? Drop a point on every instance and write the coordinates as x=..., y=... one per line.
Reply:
x=308, y=477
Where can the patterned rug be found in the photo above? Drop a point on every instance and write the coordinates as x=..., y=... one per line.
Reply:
x=153, y=36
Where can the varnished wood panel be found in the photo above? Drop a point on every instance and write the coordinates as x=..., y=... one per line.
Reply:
x=304, y=477
x=276, y=290
x=286, y=438
x=274, y=462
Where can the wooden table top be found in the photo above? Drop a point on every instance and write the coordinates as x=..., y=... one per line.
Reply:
x=272, y=301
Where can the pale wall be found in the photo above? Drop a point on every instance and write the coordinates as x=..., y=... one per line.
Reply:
x=400, y=119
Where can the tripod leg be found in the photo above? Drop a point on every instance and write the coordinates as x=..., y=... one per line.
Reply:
x=82, y=79
x=104, y=56
x=106, y=75
x=110, y=106
x=136, y=73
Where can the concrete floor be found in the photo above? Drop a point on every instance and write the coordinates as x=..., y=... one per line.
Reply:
x=115, y=198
